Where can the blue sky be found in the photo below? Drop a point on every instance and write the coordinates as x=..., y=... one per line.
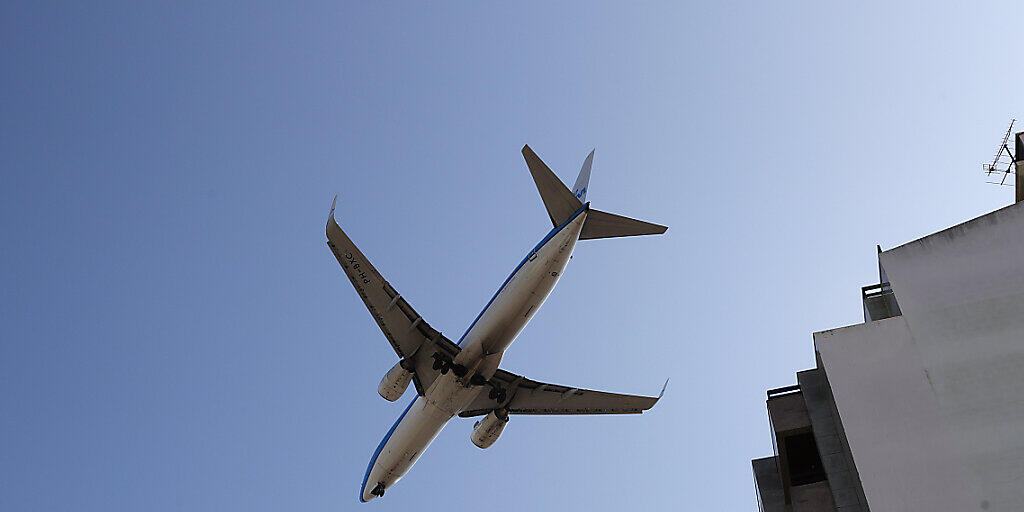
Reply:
x=175, y=334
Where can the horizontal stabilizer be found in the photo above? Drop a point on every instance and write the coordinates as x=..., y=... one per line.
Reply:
x=558, y=199
x=608, y=225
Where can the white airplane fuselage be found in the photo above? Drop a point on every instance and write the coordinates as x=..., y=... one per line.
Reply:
x=511, y=308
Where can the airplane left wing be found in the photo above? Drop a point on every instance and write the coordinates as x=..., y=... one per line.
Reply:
x=410, y=336
x=525, y=396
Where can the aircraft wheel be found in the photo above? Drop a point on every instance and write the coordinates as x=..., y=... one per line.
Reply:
x=378, y=490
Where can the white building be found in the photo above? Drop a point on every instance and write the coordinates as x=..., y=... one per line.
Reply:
x=921, y=407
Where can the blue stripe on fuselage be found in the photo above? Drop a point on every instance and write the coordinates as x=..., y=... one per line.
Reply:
x=380, y=447
x=550, y=234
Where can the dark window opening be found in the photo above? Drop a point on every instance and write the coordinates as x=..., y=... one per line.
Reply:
x=802, y=460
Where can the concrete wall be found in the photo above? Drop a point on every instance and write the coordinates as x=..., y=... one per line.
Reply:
x=788, y=413
x=933, y=401
x=770, y=496
x=816, y=497
x=830, y=437
x=891, y=418
x=962, y=295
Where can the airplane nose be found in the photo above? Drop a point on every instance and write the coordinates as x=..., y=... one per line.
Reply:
x=365, y=494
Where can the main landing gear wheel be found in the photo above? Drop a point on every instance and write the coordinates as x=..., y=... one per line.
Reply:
x=378, y=490
x=497, y=394
x=442, y=363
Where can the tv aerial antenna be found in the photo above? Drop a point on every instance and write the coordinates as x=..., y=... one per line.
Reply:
x=1003, y=161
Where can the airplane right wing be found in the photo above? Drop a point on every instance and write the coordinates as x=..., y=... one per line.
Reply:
x=527, y=396
x=410, y=336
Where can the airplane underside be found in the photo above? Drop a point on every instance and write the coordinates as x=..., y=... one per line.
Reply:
x=450, y=378
x=494, y=329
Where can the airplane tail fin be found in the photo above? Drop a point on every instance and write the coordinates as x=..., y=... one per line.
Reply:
x=559, y=200
x=583, y=180
x=562, y=203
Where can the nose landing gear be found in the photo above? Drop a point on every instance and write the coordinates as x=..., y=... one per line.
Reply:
x=378, y=490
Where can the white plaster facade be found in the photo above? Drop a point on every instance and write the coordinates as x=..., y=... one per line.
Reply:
x=933, y=401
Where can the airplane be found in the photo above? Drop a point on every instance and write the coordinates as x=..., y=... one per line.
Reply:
x=462, y=378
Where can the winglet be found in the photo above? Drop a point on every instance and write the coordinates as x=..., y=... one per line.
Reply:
x=331, y=221
x=656, y=400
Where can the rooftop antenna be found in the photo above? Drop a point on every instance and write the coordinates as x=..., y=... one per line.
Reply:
x=1003, y=163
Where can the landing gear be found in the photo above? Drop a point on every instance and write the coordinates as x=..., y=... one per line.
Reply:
x=477, y=380
x=441, y=363
x=378, y=490
x=497, y=394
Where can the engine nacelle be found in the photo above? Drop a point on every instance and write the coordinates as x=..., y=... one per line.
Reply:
x=394, y=383
x=487, y=430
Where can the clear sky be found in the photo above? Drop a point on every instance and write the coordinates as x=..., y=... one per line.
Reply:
x=176, y=335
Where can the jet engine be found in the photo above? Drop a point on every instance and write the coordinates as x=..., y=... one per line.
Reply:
x=487, y=430
x=394, y=383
